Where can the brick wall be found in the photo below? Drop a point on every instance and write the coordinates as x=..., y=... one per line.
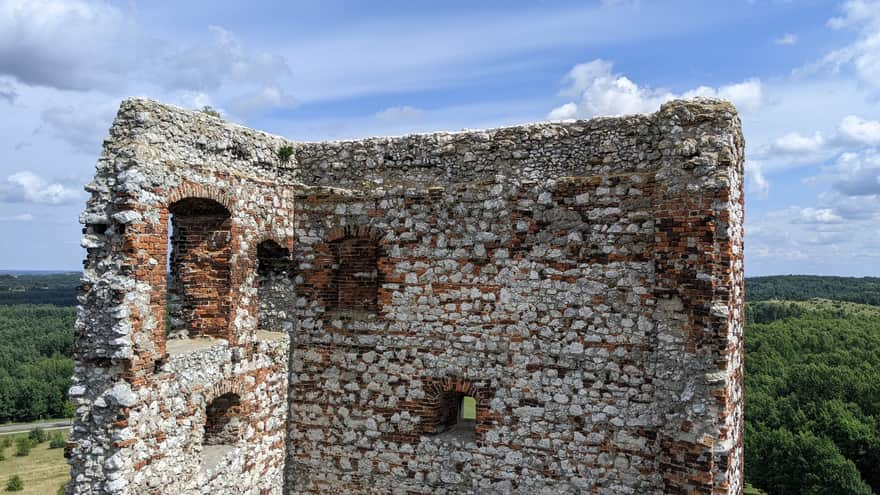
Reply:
x=200, y=266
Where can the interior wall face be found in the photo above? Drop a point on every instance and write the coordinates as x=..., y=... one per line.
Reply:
x=581, y=281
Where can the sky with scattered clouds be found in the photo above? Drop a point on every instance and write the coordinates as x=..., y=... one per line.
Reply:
x=804, y=74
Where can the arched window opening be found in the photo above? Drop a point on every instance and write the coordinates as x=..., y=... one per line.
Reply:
x=223, y=420
x=275, y=287
x=223, y=429
x=456, y=416
x=198, y=268
x=355, y=281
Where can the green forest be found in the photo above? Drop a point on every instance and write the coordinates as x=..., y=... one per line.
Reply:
x=812, y=374
x=813, y=399
x=36, y=345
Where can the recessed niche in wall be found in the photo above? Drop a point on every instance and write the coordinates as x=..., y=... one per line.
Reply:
x=276, y=289
x=355, y=281
x=223, y=428
x=198, y=268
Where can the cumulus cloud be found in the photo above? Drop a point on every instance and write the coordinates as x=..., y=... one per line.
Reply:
x=857, y=173
x=747, y=95
x=261, y=99
x=29, y=187
x=601, y=92
x=856, y=209
x=794, y=143
x=72, y=44
x=863, y=55
x=757, y=183
x=855, y=130
x=87, y=45
x=207, y=65
x=399, y=113
x=786, y=39
x=816, y=215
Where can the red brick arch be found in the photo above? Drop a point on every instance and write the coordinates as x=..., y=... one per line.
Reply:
x=194, y=190
x=435, y=387
x=228, y=386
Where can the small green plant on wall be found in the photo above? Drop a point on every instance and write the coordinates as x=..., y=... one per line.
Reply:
x=209, y=110
x=284, y=153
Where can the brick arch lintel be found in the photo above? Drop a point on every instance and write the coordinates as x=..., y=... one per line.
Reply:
x=354, y=232
x=234, y=385
x=194, y=190
x=436, y=387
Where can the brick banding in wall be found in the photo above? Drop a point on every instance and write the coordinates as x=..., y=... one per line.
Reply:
x=583, y=281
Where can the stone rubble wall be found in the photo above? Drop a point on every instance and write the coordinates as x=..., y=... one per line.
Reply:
x=581, y=280
x=141, y=398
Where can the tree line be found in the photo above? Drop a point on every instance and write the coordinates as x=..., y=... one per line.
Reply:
x=863, y=290
x=36, y=349
x=59, y=289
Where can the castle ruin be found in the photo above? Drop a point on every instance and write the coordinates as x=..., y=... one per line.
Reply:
x=552, y=308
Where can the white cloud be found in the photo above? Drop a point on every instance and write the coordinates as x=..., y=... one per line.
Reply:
x=602, y=92
x=563, y=112
x=855, y=130
x=209, y=65
x=823, y=235
x=256, y=101
x=863, y=55
x=861, y=211
x=757, y=184
x=747, y=95
x=404, y=112
x=786, y=39
x=29, y=187
x=794, y=143
x=73, y=44
x=817, y=215
x=856, y=173
x=91, y=45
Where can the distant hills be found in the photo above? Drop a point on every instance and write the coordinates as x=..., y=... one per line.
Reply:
x=55, y=288
x=862, y=290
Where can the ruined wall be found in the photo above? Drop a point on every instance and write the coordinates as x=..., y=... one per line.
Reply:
x=581, y=281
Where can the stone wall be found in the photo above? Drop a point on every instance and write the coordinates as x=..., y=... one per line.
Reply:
x=582, y=281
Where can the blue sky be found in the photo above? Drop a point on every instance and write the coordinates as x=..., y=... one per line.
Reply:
x=805, y=76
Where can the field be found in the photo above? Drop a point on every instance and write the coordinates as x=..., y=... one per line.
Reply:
x=43, y=470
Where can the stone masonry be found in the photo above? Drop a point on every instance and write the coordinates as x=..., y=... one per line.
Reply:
x=263, y=316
